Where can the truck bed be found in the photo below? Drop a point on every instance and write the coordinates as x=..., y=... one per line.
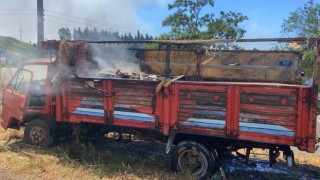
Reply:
x=258, y=112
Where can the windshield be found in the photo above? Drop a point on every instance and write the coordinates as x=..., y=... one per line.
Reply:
x=39, y=71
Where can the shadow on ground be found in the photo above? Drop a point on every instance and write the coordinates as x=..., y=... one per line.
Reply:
x=147, y=159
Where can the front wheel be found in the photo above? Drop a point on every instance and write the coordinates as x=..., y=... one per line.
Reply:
x=193, y=157
x=37, y=132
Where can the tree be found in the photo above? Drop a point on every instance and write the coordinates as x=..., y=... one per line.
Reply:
x=138, y=36
x=77, y=34
x=226, y=26
x=64, y=34
x=189, y=22
x=130, y=36
x=95, y=34
x=125, y=37
x=304, y=21
x=86, y=34
x=147, y=37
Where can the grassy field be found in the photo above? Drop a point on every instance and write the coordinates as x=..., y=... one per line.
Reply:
x=18, y=51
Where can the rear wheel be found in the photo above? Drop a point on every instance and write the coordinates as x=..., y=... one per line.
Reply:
x=193, y=157
x=37, y=132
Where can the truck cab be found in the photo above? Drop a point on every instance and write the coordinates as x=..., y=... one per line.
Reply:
x=28, y=94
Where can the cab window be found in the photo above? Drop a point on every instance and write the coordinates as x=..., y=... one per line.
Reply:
x=20, y=81
x=37, y=92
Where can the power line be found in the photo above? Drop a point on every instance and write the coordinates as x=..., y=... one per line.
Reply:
x=18, y=9
x=62, y=14
x=20, y=31
x=95, y=25
x=94, y=21
x=99, y=23
x=19, y=14
x=65, y=23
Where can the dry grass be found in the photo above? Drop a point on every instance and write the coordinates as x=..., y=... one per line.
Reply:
x=5, y=76
x=78, y=161
x=71, y=160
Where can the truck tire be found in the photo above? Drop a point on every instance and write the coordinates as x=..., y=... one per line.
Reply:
x=193, y=157
x=37, y=132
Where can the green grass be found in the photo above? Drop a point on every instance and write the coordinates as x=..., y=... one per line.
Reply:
x=18, y=51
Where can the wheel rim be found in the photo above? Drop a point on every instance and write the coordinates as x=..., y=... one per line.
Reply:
x=37, y=135
x=192, y=161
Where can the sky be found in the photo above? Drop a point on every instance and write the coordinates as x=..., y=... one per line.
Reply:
x=124, y=16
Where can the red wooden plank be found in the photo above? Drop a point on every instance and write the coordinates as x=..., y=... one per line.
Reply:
x=108, y=100
x=77, y=118
x=229, y=115
x=132, y=103
x=268, y=90
x=188, y=102
x=174, y=104
x=305, y=115
x=275, y=110
x=236, y=110
x=59, y=108
x=247, y=136
x=64, y=101
x=299, y=127
x=131, y=123
x=313, y=94
x=202, y=87
x=73, y=104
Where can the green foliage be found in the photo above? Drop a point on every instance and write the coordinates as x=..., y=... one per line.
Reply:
x=189, y=22
x=17, y=51
x=156, y=46
x=226, y=26
x=64, y=34
x=304, y=21
x=282, y=47
x=307, y=62
x=104, y=35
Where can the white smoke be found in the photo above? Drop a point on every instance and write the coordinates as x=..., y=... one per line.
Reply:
x=111, y=15
x=106, y=60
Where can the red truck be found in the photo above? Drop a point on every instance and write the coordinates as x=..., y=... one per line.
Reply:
x=200, y=100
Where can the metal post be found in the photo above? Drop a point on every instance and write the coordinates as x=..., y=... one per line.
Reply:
x=167, y=71
x=40, y=26
x=316, y=65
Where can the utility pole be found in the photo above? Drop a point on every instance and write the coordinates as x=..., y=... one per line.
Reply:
x=20, y=32
x=40, y=26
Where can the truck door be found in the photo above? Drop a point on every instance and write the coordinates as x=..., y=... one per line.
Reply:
x=15, y=97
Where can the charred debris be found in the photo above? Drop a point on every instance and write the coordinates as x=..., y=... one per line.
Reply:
x=195, y=60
